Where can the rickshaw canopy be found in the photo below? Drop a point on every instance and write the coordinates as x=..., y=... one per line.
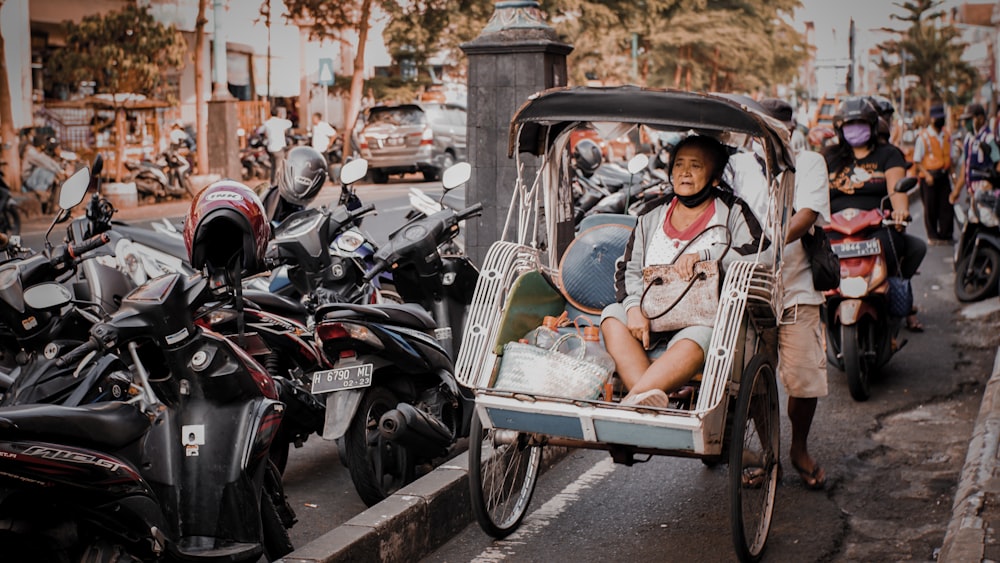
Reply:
x=540, y=120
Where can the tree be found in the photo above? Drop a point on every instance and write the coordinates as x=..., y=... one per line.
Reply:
x=122, y=52
x=201, y=108
x=8, y=135
x=329, y=20
x=933, y=53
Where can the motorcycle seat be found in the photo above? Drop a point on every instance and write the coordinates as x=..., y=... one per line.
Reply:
x=111, y=425
x=278, y=304
x=404, y=314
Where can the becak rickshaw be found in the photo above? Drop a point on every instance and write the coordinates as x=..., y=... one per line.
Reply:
x=545, y=265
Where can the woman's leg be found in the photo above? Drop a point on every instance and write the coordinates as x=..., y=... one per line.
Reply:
x=914, y=250
x=678, y=364
x=630, y=357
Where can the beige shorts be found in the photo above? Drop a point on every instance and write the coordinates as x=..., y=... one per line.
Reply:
x=802, y=353
x=700, y=335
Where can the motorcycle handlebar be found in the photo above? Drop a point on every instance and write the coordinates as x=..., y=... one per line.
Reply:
x=476, y=209
x=72, y=251
x=377, y=268
x=363, y=210
x=78, y=353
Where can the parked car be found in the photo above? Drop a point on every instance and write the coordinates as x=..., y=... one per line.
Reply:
x=417, y=137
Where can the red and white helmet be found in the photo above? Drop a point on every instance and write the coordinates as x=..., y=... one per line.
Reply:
x=226, y=219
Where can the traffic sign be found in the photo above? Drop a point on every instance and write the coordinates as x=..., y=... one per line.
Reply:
x=325, y=72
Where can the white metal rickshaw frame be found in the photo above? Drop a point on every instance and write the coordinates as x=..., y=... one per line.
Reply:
x=515, y=426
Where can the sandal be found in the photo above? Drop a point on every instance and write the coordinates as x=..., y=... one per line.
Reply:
x=913, y=324
x=814, y=480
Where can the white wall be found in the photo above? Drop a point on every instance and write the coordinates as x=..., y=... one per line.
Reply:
x=14, y=24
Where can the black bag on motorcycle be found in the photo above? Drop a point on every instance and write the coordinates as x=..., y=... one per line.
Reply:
x=825, y=265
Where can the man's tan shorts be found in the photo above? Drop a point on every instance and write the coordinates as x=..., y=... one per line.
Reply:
x=802, y=353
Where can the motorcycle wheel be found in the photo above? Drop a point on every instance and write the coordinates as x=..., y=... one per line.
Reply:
x=10, y=221
x=275, y=516
x=855, y=365
x=378, y=176
x=378, y=467
x=435, y=174
x=978, y=280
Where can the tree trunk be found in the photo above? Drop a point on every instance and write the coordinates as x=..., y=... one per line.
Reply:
x=680, y=69
x=119, y=143
x=200, y=104
x=357, y=78
x=8, y=135
x=714, y=86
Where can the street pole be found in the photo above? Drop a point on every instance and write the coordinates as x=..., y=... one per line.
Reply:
x=902, y=90
x=220, y=88
x=635, y=58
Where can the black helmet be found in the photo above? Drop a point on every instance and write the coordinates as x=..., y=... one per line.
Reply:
x=883, y=106
x=855, y=109
x=302, y=175
x=587, y=156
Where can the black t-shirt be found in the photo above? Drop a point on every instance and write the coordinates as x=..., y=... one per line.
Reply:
x=866, y=193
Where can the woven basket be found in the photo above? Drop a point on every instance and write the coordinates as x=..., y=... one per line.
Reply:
x=529, y=369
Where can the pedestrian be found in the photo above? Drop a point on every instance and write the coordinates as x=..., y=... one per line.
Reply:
x=801, y=339
x=274, y=130
x=322, y=133
x=980, y=152
x=932, y=159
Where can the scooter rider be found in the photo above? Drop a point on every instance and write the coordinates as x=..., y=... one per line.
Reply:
x=300, y=179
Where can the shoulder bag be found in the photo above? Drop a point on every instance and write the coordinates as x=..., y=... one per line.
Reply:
x=824, y=263
x=682, y=303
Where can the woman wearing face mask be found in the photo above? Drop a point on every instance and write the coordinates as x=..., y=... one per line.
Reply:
x=862, y=172
x=699, y=200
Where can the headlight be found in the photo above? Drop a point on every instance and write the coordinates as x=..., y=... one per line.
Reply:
x=987, y=217
x=350, y=241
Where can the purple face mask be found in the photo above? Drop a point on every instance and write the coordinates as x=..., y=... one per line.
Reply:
x=857, y=134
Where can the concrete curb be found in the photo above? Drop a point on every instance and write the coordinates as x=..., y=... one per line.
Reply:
x=410, y=524
x=965, y=539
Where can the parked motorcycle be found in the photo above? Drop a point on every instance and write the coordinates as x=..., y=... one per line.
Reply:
x=254, y=159
x=977, y=254
x=861, y=333
x=167, y=177
x=392, y=399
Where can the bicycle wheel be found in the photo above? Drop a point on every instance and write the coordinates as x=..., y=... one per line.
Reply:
x=753, y=459
x=502, y=477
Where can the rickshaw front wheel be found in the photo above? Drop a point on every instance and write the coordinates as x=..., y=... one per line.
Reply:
x=753, y=458
x=503, y=471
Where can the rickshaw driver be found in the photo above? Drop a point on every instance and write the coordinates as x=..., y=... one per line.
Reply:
x=700, y=199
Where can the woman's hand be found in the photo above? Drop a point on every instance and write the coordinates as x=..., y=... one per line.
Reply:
x=638, y=325
x=685, y=265
x=900, y=215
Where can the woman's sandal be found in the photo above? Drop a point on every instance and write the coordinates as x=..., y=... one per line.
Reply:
x=913, y=324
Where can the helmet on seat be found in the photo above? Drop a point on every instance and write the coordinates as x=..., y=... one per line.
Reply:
x=226, y=222
x=587, y=156
x=856, y=108
x=302, y=175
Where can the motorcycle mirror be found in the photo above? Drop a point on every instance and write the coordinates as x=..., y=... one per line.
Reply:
x=906, y=184
x=74, y=189
x=456, y=175
x=98, y=166
x=638, y=163
x=353, y=171
x=48, y=295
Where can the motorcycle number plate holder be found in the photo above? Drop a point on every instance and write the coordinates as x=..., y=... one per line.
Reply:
x=344, y=376
x=855, y=249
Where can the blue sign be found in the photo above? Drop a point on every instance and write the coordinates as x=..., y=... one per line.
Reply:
x=325, y=72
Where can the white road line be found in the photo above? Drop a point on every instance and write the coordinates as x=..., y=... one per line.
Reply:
x=536, y=522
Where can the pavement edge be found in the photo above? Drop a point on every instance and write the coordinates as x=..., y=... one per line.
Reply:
x=965, y=539
x=411, y=523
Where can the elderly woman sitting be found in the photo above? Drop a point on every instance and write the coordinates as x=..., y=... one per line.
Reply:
x=700, y=200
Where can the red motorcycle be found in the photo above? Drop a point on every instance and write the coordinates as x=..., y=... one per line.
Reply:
x=861, y=334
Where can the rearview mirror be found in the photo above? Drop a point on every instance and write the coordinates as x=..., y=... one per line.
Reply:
x=74, y=189
x=49, y=295
x=353, y=171
x=638, y=163
x=456, y=175
x=906, y=185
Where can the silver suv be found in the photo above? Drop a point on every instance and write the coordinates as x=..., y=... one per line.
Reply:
x=417, y=137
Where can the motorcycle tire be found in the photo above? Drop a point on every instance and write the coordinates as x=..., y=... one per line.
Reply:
x=434, y=174
x=10, y=221
x=378, y=176
x=981, y=281
x=855, y=366
x=377, y=466
x=276, y=516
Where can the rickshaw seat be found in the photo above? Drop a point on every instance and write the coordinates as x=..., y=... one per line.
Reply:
x=530, y=299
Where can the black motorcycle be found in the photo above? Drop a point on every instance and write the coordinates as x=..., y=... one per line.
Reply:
x=977, y=254
x=392, y=399
x=168, y=177
x=178, y=472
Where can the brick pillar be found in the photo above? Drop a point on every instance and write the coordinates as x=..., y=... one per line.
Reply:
x=516, y=55
x=223, y=142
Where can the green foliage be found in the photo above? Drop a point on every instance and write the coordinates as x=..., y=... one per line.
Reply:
x=385, y=89
x=933, y=52
x=122, y=52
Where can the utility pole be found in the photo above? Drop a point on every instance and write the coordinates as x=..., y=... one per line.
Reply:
x=635, y=58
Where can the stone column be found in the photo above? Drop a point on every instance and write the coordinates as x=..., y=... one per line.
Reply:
x=223, y=122
x=516, y=55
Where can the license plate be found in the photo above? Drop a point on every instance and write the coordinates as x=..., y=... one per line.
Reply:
x=394, y=141
x=858, y=248
x=347, y=376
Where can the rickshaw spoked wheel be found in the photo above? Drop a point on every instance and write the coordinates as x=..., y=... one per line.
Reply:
x=754, y=452
x=502, y=477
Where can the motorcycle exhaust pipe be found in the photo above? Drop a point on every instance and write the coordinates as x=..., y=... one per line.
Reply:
x=416, y=430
